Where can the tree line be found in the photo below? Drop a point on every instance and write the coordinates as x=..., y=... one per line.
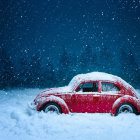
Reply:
x=32, y=73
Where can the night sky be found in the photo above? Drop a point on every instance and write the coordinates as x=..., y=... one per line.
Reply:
x=46, y=26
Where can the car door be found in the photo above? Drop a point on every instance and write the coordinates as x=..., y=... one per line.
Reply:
x=109, y=94
x=86, y=98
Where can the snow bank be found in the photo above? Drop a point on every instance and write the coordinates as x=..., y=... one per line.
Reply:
x=18, y=122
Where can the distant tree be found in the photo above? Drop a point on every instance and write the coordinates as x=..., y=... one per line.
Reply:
x=7, y=75
x=129, y=68
x=34, y=72
x=24, y=72
x=87, y=59
x=134, y=69
x=48, y=76
x=64, y=67
x=106, y=62
x=74, y=65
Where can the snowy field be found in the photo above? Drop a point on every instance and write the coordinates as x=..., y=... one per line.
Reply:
x=18, y=122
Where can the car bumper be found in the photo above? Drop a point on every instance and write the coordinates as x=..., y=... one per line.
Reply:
x=32, y=106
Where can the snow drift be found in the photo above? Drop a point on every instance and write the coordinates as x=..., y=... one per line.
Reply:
x=17, y=121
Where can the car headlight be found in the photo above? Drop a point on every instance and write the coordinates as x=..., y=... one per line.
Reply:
x=32, y=105
x=37, y=103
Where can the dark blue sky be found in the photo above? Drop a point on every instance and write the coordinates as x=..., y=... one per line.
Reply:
x=49, y=25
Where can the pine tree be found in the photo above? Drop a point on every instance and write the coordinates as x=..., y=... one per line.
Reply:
x=64, y=67
x=7, y=75
x=106, y=60
x=33, y=78
x=48, y=76
x=74, y=68
x=129, y=68
x=24, y=72
x=87, y=59
x=134, y=70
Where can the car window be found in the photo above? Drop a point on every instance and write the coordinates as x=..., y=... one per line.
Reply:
x=88, y=87
x=109, y=87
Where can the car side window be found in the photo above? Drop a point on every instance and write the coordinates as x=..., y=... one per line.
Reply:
x=88, y=87
x=109, y=87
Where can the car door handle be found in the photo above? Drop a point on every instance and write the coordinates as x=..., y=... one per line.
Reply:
x=96, y=98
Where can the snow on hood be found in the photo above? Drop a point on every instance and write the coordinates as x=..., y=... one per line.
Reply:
x=138, y=93
x=65, y=89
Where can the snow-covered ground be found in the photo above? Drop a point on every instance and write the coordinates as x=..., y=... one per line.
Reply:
x=18, y=122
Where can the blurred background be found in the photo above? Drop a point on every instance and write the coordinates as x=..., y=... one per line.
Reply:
x=44, y=43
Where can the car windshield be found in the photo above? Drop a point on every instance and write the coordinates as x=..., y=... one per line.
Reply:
x=74, y=82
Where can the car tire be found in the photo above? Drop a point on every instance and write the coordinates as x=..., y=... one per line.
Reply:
x=52, y=108
x=126, y=108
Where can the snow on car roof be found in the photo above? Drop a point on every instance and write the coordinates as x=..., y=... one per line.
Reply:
x=93, y=76
x=96, y=76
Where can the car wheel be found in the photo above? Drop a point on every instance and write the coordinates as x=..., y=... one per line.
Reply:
x=52, y=108
x=126, y=108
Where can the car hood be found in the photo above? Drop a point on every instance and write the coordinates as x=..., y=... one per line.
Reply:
x=137, y=93
x=59, y=90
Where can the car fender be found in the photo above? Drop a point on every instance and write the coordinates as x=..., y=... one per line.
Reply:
x=55, y=99
x=125, y=99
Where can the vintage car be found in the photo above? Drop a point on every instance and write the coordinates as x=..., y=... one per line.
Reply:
x=94, y=92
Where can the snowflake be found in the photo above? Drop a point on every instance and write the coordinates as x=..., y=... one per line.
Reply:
x=102, y=13
x=113, y=18
x=84, y=16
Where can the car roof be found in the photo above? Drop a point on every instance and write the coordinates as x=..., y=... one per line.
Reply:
x=96, y=76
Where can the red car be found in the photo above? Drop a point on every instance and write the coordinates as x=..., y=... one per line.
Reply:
x=94, y=92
